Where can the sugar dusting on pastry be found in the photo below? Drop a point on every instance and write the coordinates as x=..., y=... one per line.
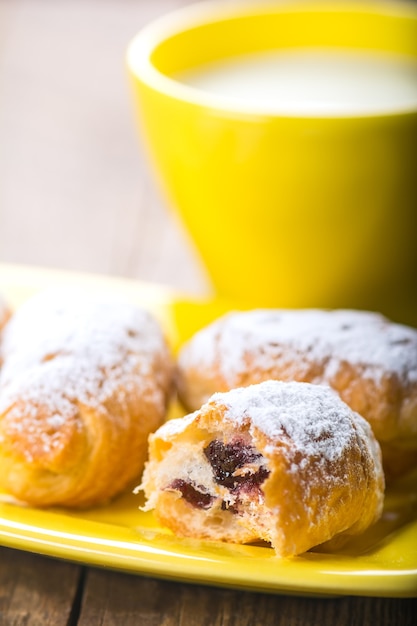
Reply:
x=284, y=462
x=370, y=361
x=79, y=368
x=313, y=418
x=76, y=348
x=327, y=337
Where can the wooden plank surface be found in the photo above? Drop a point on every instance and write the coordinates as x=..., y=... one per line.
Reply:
x=76, y=193
x=112, y=599
x=36, y=590
x=75, y=188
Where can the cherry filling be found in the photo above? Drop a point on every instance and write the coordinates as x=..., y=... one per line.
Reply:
x=191, y=494
x=226, y=459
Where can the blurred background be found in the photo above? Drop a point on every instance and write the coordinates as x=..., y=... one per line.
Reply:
x=75, y=189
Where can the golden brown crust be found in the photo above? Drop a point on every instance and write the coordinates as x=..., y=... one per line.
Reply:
x=369, y=361
x=299, y=468
x=84, y=382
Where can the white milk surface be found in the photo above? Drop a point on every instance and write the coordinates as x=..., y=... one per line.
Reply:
x=311, y=81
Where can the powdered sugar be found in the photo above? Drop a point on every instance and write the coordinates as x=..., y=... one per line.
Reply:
x=312, y=417
x=65, y=347
x=284, y=337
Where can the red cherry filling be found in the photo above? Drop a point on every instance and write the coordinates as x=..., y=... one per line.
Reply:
x=192, y=494
x=226, y=459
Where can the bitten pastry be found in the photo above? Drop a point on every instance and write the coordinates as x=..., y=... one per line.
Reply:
x=85, y=379
x=369, y=361
x=287, y=463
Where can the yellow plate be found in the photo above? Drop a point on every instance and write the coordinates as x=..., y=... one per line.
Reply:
x=382, y=562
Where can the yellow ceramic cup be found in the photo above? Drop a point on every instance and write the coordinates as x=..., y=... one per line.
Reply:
x=285, y=210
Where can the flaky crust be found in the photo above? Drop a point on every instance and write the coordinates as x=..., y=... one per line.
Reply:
x=85, y=379
x=369, y=361
x=312, y=471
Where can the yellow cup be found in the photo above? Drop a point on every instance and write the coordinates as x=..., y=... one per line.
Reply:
x=286, y=210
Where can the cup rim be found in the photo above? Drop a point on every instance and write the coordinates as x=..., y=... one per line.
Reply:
x=146, y=41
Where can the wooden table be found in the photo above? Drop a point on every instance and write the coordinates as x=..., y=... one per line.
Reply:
x=76, y=193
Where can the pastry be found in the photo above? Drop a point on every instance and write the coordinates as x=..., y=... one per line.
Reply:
x=284, y=462
x=4, y=312
x=85, y=379
x=369, y=361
